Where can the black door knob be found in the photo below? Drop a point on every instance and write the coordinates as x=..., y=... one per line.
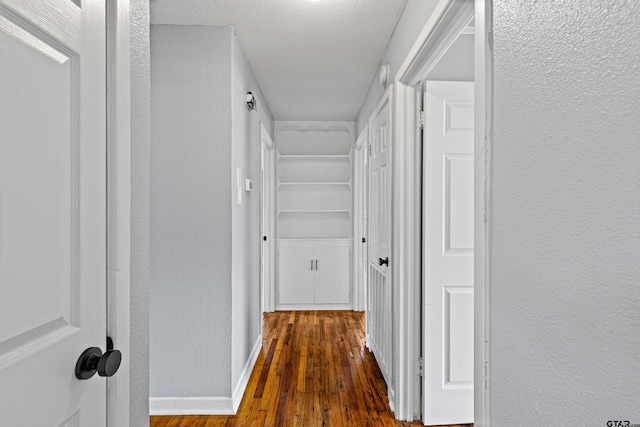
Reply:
x=92, y=360
x=383, y=261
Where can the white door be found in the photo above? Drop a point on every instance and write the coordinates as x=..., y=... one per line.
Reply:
x=448, y=253
x=360, y=264
x=52, y=210
x=380, y=303
x=296, y=268
x=332, y=274
x=267, y=210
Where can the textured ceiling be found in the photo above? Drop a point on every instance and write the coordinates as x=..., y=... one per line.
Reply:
x=313, y=60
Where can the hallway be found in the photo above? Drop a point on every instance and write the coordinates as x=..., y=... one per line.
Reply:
x=314, y=370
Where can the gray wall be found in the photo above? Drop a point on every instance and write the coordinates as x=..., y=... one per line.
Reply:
x=457, y=62
x=205, y=249
x=411, y=22
x=246, y=315
x=190, y=299
x=140, y=178
x=565, y=213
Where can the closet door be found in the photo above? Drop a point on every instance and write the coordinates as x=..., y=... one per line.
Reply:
x=296, y=267
x=332, y=275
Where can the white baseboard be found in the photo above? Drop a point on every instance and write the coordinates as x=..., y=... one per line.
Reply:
x=241, y=386
x=208, y=405
x=191, y=406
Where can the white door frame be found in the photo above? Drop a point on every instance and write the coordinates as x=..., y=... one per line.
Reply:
x=445, y=24
x=483, y=75
x=268, y=300
x=118, y=203
x=360, y=152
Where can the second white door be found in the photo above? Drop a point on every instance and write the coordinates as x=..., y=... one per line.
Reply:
x=448, y=253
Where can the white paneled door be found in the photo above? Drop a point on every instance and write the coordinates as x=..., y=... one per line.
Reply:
x=52, y=210
x=379, y=292
x=448, y=253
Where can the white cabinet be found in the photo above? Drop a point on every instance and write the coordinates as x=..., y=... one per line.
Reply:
x=332, y=275
x=296, y=275
x=313, y=274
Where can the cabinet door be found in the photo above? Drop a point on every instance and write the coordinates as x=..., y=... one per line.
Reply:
x=332, y=275
x=295, y=284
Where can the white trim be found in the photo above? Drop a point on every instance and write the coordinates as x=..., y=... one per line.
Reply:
x=118, y=203
x=447, y=21
x=482, y=219
x=268, y=300
x=407, y=251
x=241, y=385
x=208, y=405
x=360, y=153
x=445, y=24
x=191, y=406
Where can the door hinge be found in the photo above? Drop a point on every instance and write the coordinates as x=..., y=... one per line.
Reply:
x=422, y=119
x=369, y=149
x=420, y=366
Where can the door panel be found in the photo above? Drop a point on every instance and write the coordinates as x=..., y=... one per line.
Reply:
x=296, y=275
x=380, y=192
x=448, y=253
x=332, y=275
x=52, y=210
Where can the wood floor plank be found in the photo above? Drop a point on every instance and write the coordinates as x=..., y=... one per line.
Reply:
x=314, y=370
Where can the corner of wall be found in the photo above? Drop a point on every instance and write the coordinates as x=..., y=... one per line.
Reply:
x=140, y=204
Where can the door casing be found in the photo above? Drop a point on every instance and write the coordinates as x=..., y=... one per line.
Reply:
x=118, y=203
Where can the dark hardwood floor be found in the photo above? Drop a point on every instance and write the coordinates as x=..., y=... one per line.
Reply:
x=313, y=370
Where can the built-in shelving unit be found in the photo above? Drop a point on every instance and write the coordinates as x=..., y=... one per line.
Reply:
x=314, y=214
x=314, y=180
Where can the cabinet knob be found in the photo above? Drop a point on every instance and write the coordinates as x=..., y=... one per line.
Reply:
x=383, y=261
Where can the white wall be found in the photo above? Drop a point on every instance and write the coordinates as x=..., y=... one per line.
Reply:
x=140, y=178
x=190, y=298
x=564, y=286
x=246, y=241
x=411, y=22
x=205, y=248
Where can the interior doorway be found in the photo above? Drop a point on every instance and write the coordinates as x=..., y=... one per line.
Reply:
x=450, y=20
x=267, y=223
x=360, y=208
x=448, y=233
